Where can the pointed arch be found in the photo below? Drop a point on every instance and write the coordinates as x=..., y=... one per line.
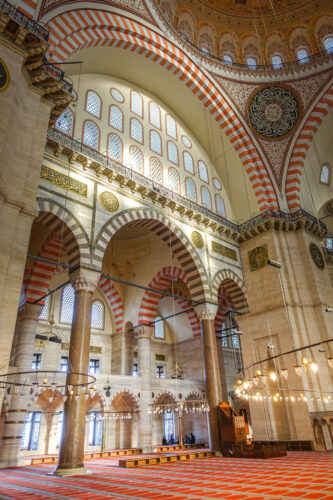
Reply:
x=72, y=31
x=115, y=301
x=234, y=286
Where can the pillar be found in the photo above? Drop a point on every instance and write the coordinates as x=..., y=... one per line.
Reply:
x=11, y=440
x=127, y=352
x=74, y=420
x=206, y=315
x=144, y=334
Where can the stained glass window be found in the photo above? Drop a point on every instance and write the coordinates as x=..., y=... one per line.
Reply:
x=171, y=129
x=136, y=159
x=115, y=147
x=251, y=62
x=325, y=174
x=186, y=141
x=277, y=62
x=136, y=130
x=67, y=304
x=116, y=118
x=154, y=114
x=190, y=189
x=220, y=205
x=97, y=315
x=203, y=172
x=172, y=152
x=205, y=196
x=155, y=142
x=328, y=44
x=65, y=122
x=217, y=183
x=136, y=103
x=159, y=328
x=303, y=56
x=156, y=170
x=45, y=310
x=93, y=103
x=227, y=59
x=117, y=95
x=174, y=180
x=91, y=134
x=188, y=162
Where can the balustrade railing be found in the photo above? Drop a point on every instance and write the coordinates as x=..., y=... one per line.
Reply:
x=12, y=12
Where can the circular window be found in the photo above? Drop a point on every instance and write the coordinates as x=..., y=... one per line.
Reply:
x=117, y=95
x=186, y=141
x=217, y=183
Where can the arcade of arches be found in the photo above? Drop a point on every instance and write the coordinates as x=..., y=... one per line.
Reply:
x=166, y=222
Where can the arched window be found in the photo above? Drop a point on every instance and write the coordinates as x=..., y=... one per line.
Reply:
x=174, y=180
x=188, y=162
x=302, y=55
x=159, y=332
x=91, y=134
x=154, y=115
x=219, y=205
x=277, y=61
x=67, y=305
x=227, y=59
x=251, y=62
x=328, y=44
x=117, y=95
x=155, y=142
x=136, y=160
x=204, y=49
x=203, y=172
x=65, y=122
x=190, y=189
x=115, y=148
x=156, y=170
x=93, y=103
x=46, y=307
x=171, y=128
x=205, y=197
x=136, y=130
x=136, y=103
x=116, y=118
x=97, y=315
x=172, y=152
x=325, y=174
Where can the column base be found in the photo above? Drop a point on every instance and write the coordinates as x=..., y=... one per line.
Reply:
x=64, y=472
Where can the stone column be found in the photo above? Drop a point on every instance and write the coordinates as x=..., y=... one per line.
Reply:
x=127, y=352
x=27, y=328
x=144, y=334
x=206, y=315
x=74, y=420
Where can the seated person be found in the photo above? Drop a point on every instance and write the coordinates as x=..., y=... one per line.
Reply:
x=164, y=441
x=192, y=438
x=172, y=439
x=186, y=439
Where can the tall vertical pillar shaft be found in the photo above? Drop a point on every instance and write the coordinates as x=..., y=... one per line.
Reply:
x=74, y=420
x=11, y=440
x=211, y=373
x=144, y=334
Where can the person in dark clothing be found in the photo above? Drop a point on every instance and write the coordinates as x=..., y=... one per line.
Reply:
x=192, y=439
x=164, y=440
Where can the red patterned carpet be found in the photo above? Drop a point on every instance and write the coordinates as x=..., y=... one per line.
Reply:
x=299, y=475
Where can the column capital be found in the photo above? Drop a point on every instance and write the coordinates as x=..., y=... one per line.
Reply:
x=206, y=311
x=144, y=332
x=30, y=311
x=84, y=280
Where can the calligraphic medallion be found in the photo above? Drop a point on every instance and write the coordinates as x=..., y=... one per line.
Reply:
x=258, y=258
x=317, y=256
x=4, y=76
x=109, y=201
x=273, y=111
x=197, y=239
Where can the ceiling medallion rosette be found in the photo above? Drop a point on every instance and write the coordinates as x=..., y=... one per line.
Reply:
x=273, y=112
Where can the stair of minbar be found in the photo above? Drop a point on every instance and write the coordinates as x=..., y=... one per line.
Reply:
x=165, y=458
x=52, y=459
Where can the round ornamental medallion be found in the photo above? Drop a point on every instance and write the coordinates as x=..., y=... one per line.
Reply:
x=4, y=76
x=258, y=258
x=109, y=201
x=317, y=256
x=197, y=239
x=273, y=112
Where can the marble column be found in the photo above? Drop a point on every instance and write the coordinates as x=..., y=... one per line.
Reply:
x=127, y=352
x=206, y=314
x=144, y=334
x=27, y=328
x=74, y=420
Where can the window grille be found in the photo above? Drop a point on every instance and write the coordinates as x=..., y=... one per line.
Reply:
x=136, y=103
x=174, y=180
x=325, y=174
x=136, y=130
x=220, y=205
x=203, y=172
x=156, y=170
x=95, y=428
x=91, y=134
x=64, y=364
x=65, y=122
x=36, y=361
x=30, y=432
x=45, y=310
x=205, y=196
x=186, y=141
x=171, y=129
x=93, y=103
x=303, y=56
x=97, y=314
x=117, y=95
x=277, y=62
x=235, y=341
x=116, y=118
x=328, y=44
x=160, y=371
x=94, y=366
x=224, y=337
x=159, y=332
x=188, y=162
x=217, y=183
x=251, y=62
x=115, y=148
x=67, y=305
x=227, y=59
x=190, y=190
x=155, y=142
x=172, y=152
x=154, y=114
x=136, y=159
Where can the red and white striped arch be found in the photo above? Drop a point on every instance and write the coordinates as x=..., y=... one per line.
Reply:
x=301, y=148
x=75, y=30
x=225, y=303
x=115, y=301
x=186, y=305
